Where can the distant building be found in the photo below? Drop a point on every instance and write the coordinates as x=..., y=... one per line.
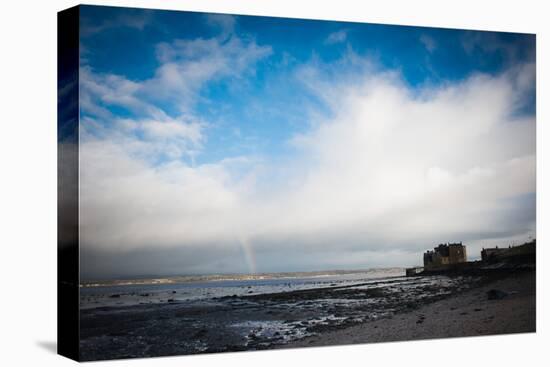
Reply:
x=489, y=254
x=442, y=258
x=496, y=254
x=445, y=254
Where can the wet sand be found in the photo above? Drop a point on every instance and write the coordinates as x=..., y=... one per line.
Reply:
x=470, y=313
x=391, y=309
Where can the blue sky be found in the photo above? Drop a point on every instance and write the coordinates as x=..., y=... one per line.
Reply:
x=236, y=109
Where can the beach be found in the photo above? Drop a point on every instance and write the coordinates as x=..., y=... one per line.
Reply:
x=471, y=313
x=245, y=315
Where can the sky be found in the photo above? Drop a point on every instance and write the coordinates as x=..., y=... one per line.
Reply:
x=215, y=143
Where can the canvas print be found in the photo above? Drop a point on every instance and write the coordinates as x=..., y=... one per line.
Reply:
x=240, y=183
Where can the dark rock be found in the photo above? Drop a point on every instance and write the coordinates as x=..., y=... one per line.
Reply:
x=174, y=292
x=235, y=348
x=201, y=333
x=117, y=333
x=114, y=296
x=495, y=294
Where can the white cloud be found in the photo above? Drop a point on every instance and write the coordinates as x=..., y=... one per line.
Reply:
x=172, y=129
x=428, y=42
x=224, y=22
x=392, y=170
x=337, y=37
x=185, y=66
x=136, y=19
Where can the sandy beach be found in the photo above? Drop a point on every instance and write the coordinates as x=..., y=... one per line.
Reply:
x=470, y=313
x=327, y=312
x=133, y=321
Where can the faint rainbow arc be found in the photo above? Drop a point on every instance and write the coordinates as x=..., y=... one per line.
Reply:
x=248, y=253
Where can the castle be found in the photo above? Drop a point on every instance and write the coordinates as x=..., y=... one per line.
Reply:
x=445, y=254
x=451, y=257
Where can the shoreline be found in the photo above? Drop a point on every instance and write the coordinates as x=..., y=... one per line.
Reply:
x=405, y=308
x=469, y=313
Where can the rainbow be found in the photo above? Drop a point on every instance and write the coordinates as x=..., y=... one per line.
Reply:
x=248, y=254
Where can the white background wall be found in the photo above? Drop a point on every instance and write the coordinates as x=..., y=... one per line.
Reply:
x=28, y=181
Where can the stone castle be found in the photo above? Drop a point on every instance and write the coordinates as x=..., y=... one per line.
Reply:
x=451, y=257
x=445, y=254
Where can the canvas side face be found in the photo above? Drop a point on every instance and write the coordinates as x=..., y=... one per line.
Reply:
x=67, y=213
x=251, y=183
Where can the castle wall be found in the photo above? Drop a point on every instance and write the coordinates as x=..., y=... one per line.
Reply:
x=445, y=255
x=457, y=254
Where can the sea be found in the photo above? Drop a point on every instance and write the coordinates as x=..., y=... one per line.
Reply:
x=127, y=292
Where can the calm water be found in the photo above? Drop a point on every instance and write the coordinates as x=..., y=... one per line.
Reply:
x=126, y=295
